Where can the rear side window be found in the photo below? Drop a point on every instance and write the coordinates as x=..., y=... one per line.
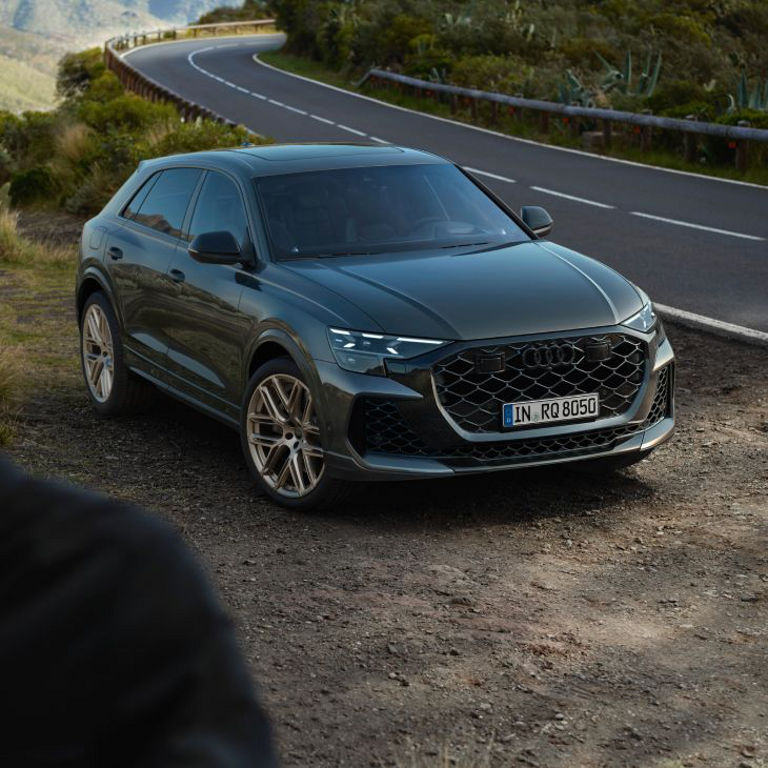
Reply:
x=219, y=208
x=165, y=204
x=132, y=208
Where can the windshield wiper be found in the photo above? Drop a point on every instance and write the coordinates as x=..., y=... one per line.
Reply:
x=465, y=245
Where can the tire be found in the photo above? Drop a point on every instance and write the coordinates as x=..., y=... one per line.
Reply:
x=282, y=441
x=112, y=388
x=609, y=464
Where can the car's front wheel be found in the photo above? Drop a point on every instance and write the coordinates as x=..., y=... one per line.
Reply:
x=281, y=439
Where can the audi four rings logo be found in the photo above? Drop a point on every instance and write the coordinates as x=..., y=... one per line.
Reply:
x=549, y=355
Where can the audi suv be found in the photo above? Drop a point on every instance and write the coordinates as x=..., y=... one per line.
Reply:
x=365, y=312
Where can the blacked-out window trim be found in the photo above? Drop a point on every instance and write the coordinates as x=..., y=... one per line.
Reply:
x=142, y=192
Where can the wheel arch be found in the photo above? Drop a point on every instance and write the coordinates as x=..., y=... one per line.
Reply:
x=91, y=283
x=275, y=342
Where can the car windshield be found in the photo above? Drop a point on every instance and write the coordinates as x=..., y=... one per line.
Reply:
x=360, y=211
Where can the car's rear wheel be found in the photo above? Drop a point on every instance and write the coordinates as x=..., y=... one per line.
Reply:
x=282, y=441
x=113, y=389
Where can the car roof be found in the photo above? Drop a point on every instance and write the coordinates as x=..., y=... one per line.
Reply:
x=273, y=159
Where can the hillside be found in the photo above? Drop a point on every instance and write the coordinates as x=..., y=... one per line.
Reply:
x=34, y=34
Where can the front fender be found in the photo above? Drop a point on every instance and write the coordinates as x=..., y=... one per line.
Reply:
x=297, y=351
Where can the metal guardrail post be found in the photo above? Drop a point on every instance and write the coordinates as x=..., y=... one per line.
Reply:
x=646, y=132
x=607, y=134
x=690, y=144
x=742, y=150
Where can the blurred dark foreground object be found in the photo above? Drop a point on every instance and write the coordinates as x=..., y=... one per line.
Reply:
x=113, y=649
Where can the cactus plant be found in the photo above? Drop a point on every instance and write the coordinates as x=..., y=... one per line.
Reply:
x=573, y=91
x=756, y=99
x=622, y=79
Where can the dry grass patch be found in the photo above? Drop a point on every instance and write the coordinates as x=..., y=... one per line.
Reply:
x=16, y=250
x=9, y=374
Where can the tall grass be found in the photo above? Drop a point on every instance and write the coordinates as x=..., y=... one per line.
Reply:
x=17, y=250
x=9, y=373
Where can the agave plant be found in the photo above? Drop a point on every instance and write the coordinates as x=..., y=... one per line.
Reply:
x=436, y=75
x=756, y=99
x=573, y=91
x=454, y=21
x=621, y=79
x=515, y=18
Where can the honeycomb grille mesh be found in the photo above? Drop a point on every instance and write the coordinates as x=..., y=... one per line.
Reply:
x=660, y=405
x=386, y=431
x=613, y=365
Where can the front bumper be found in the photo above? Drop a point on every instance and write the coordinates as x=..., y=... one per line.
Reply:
x=421, y=440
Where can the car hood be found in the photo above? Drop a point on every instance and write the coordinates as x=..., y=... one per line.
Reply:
x=525, y=288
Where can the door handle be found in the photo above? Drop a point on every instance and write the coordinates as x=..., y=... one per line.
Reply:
x=115, y=253
x=177, y=275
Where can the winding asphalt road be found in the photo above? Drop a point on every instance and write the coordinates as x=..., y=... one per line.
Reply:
x=693, y=243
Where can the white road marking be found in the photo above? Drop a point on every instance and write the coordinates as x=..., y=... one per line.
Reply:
x=351, y=130
x=554, y=147
x=697, y=226
x=380, y=141
x=572, y=197
x=490, y=175
x=719, y=327
x=297, y=110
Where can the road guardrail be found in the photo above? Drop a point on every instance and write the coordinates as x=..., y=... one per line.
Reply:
x=738, y=136
x=150, y=89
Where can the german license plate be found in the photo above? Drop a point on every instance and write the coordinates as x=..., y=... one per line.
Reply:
x=550, y=411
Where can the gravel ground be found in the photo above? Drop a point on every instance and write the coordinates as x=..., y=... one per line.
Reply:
x=533, y=618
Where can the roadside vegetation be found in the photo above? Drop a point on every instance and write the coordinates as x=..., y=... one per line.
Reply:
x=30, y=270
x=77, y=156
x=682, y=58
x=248, y=11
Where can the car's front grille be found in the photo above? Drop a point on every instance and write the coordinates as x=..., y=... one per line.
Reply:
x=387, y=431
x=611, y=365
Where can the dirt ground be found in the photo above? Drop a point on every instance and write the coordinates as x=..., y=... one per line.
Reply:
x=534, y=618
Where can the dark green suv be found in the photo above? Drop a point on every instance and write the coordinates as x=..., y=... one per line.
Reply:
x=365, y=313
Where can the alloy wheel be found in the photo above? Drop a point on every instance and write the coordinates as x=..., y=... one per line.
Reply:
x=98, y=353
x=283, y=435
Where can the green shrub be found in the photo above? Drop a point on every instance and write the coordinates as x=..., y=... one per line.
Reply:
x=31, y=186
x=127, y=113
x=77, y=71
x=199, y=136
x=506, y=74
x=251, y=9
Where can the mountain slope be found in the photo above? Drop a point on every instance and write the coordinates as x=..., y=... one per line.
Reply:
x=34, y=34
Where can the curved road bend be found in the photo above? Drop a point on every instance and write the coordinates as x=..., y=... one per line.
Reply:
x=693, y=243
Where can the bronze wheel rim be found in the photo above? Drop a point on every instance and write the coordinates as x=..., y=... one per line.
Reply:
x=284, y=437
x=98, y=353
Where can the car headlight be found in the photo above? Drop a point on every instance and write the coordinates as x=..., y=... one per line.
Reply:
x=364, y=352
x=645, y=320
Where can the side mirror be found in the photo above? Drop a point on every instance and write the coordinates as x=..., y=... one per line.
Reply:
x=215, y=248
x=537, y=219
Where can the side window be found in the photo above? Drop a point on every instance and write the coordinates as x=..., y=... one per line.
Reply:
x=166, y=203
x=219, y=208
x=130, y=210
